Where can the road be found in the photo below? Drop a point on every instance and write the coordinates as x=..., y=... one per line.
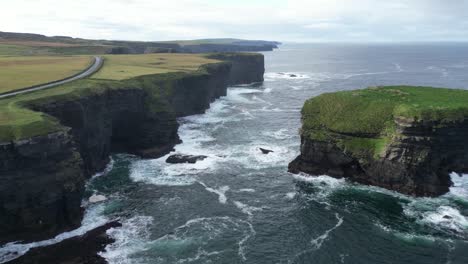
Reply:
x=98, y=61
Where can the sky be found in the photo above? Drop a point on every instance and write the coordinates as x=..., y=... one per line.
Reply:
x=293, y=20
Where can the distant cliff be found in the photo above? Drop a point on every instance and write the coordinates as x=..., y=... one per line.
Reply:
x=68, y=45
x=407, y=139
x=42, y=178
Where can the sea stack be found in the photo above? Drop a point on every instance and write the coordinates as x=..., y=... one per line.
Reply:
x=407, y=139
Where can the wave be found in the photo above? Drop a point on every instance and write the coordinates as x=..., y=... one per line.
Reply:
x=316, y=243
x=93, y=219
x=246, y=209
x=279, y=134
x=221, y=192
x=196, y=240
x=130, y=238
x=271, y=76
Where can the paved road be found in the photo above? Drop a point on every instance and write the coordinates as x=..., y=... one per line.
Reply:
x=98, y=61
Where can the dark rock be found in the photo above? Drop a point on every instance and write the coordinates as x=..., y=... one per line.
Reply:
x=76, y=250
x=180, y=158
x=292, y=75
x=265, y=151
x=418, y=163
x=447, y=217
x=41, y=187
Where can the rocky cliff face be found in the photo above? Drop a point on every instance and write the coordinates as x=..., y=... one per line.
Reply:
x=41, y=185
x=42, y=179
x=417, y=162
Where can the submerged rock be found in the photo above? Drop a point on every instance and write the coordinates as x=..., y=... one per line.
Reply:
x=181, y=158
x=292, y=75
x=265, y=151
x=407, y=139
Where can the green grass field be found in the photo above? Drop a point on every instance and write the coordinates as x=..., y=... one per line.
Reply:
x=17, y=121
x=21, y=72
x=120, y=67
x=365, y=118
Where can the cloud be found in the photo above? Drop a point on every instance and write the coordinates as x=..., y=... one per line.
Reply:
x=294, y=20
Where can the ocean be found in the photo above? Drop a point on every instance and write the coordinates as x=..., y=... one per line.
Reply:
x=240, y=206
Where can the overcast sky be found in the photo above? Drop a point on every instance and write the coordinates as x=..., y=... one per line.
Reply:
x=294, y=20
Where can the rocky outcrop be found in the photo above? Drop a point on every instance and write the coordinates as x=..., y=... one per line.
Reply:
x=417, y=161
x=42, y=179
x=181, y=158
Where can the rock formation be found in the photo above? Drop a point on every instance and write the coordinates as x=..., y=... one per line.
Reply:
x=415, y=151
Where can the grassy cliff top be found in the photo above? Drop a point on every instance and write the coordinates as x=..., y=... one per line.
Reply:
x=365, y=118
x=120, y=67
x=18, y=121
x=21, y=72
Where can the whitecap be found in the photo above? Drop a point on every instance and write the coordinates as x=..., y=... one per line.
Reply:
x=279, y=134
x=246, y=209
x=221, y=192
x=318, y=241
x=290, y=195
x=247, y=190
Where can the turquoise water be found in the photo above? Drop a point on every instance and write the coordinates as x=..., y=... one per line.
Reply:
x=239, y=206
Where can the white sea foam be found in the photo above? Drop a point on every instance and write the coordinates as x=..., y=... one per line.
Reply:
x=247, y=190
x=290, y=195
x=246, y=209
x=108, y=169
x=250, y=155
x=447, y=217
x=460, y=186
x=221, y=192
x=93, y=218
x=279, y=134
x=130, y=238
x=405, y=236
x=318, y=241
x=271, y=76
x=330, y=182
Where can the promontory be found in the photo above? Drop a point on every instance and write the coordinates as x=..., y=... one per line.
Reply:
x=403, y=138
x=52, y=140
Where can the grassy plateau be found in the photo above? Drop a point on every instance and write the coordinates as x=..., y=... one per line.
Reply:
x=363, y=121
x=17, y=121
x=21, y=72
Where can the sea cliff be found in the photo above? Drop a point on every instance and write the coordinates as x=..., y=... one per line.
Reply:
x=407, y=139
x=42, y=176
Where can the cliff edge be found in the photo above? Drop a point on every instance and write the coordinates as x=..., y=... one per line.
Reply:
x=53, y=140
x=407, y=139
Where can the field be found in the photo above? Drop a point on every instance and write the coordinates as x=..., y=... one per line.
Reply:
x=365, y=118
x=21, y=72
x=120, y=67
x=17, y=121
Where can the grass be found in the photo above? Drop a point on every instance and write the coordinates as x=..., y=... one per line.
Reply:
x=21, y=72
x=121, y=67
x=156, y=73
x=362, y=121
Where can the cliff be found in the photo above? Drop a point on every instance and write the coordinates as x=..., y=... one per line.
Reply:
x=407, y=139
x=42, y=174
x=28, y=44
